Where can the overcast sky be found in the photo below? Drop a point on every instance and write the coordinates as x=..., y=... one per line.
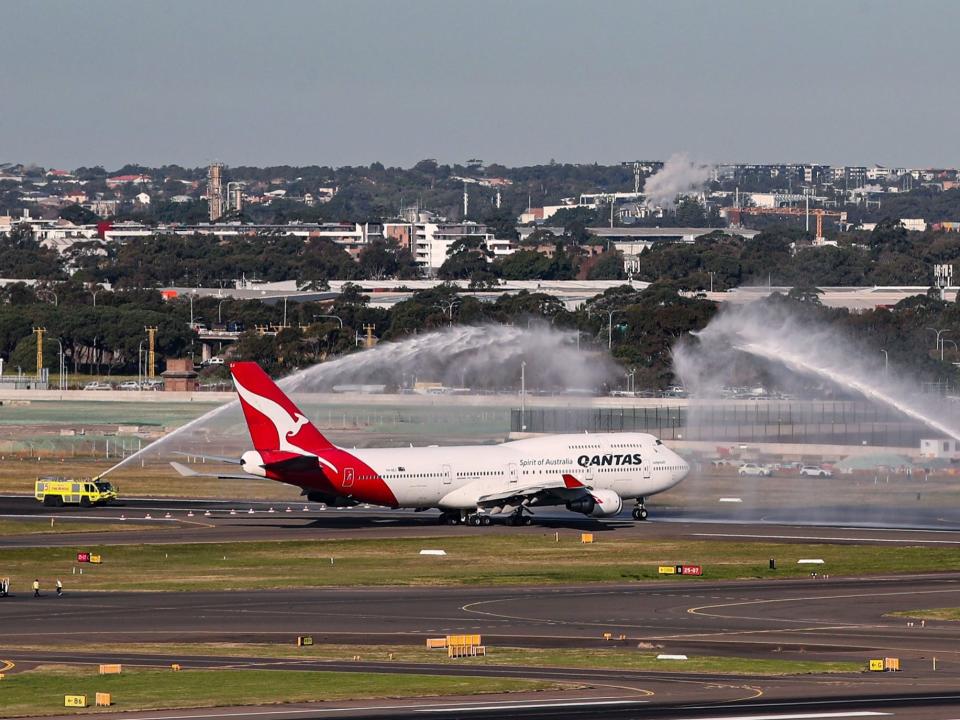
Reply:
x=511, y=81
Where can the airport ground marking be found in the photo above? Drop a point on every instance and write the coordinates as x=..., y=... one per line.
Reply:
x=319, y=710
x=802, y=716
x=699, y=610
x=533, y=705
x=815, y=538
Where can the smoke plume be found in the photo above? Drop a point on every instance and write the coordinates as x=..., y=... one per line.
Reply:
x=679, y=175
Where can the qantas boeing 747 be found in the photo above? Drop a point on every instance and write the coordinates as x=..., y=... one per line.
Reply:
x=590, y=474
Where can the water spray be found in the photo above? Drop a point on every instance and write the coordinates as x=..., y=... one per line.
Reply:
x=485, y=356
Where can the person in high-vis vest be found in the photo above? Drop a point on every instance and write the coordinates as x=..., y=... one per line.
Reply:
x=36, y=587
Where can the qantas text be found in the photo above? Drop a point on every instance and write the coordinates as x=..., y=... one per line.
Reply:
x=587, y=460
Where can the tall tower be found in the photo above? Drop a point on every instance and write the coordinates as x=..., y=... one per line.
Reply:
x=466, y=201
x=215, y=191
x=234, y=196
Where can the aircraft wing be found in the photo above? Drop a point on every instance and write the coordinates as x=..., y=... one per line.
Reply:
x=556, y=492
x=190, y=472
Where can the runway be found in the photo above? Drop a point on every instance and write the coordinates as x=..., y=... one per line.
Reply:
x=168, y=521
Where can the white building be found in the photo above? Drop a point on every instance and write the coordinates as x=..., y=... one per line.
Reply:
x=433, y=240
x=914, y=224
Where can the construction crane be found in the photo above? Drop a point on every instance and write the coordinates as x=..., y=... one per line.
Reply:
x=735, y=216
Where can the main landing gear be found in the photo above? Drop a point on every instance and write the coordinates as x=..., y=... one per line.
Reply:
x=458, y=517
x=639, y=512
x=517, y=517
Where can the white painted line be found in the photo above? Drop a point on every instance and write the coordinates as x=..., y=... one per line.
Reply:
x=826, y=538
x=800, y=716
x=731, y=500
x=316, y=710
x=524, y=706
x=810, y=561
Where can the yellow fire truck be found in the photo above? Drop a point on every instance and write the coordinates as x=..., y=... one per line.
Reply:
x=54, y=492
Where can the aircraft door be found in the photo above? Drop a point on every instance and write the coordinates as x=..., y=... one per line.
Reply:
x=447, y=475
x=511, y=474
x=347, y=477
x=646, y=471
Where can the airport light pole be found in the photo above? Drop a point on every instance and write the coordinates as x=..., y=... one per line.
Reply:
x=140, y=372
x=60, y=382
x=610, y=314
x=886, y=362
x=523, y=395
x=335, y=317
x=219, y=308
x=939, y=332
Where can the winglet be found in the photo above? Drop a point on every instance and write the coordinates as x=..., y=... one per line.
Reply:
x=571, y=482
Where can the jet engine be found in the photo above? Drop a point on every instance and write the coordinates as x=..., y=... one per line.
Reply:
x=599, y=503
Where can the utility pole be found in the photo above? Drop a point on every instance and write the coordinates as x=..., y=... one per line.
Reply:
x=39, y=331
x=523, y=395
x=151, y=354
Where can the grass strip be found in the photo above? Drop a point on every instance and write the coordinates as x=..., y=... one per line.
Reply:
x=41, y=691
x=470, y=560
x=931, y=614
x=593, y=658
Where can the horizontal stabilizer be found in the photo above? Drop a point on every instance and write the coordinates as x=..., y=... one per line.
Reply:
x=190, y=472
x=212, y=458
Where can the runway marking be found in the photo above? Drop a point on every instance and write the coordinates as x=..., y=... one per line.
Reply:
x=699, y=610
x=823, y=538
x=8, y=665
x=801, y=716
x=525, y=706
x=341, y=709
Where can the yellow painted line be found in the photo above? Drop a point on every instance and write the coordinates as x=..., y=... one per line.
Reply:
x=8, y=665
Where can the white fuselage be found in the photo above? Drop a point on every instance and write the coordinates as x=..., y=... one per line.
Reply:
x=633, y=465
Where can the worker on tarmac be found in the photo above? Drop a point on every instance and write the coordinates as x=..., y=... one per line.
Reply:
x=36, y=587
x=59, y=588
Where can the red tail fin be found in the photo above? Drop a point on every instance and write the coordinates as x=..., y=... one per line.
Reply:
x=275, y=423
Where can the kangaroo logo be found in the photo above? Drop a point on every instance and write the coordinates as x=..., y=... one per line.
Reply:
x=287, y=427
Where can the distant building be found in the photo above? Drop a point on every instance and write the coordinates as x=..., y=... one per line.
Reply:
x=118, y=180
x=914, y=224
x=215, y=191
x=432, y=240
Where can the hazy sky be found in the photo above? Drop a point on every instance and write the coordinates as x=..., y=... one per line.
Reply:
x=85, y=82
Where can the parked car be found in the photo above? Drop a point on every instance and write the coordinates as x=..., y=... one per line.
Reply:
x=129, y=385
x=215, y=361
x=96, y=385
x=753, y=469
x=814, y=471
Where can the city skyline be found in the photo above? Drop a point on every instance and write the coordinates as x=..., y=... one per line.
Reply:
x=350, y=84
